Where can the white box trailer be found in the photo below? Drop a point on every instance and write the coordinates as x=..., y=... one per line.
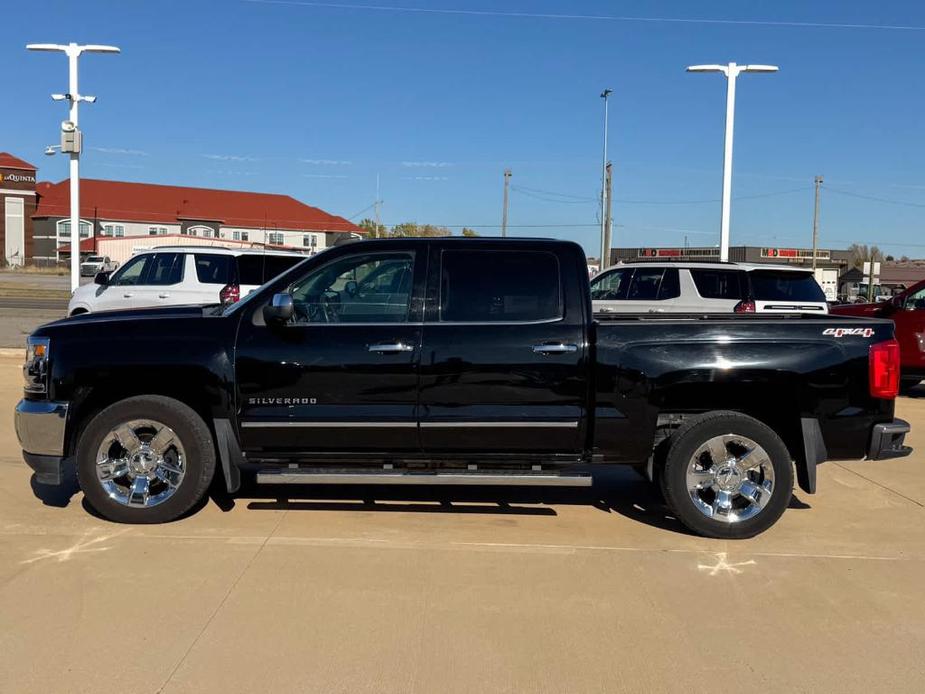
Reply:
x=828, y=279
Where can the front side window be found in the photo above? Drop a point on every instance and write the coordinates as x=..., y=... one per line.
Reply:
x=718, y=284
x=166, y=268
x=132, y=272
x=499, y=286
x=915, y=302
x=611, y=285
x=369, y=288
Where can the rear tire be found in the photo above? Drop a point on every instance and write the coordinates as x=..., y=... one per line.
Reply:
x=727, y=475
x=145, y=459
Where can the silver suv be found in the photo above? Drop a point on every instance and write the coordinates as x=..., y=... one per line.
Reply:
x=648, y=287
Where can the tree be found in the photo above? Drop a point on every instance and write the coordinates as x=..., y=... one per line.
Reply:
x=889, y=259
x=861, y=253
x=469, y=233
x=371, y=230
x=415, y=229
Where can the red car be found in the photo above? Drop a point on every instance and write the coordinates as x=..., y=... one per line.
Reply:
x=907, y=311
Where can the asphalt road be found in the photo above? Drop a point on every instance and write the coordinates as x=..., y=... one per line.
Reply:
x=23, y=302
x=401, y=590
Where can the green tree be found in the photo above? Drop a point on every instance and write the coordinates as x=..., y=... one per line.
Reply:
x=371, y=230
x=415, y=229
x=469, y=233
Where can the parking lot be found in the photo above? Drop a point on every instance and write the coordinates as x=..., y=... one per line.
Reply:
x=386, y=590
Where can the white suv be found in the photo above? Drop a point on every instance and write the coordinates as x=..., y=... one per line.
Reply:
x=176, y=275
x=651, y=287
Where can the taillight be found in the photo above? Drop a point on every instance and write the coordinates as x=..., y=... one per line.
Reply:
x=744, y=307
x=230, y=294
x=884, y=369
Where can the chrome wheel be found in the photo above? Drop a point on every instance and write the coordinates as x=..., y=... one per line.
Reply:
x=730, y=478
x=140, y=463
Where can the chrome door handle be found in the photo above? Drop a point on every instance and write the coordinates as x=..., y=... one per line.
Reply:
x=127, y=296
x=391, y=348
x=163, y=296
x=554, y=348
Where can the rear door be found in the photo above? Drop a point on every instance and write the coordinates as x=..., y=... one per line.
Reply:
x=504, y=358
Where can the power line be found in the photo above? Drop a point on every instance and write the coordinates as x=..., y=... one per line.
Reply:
x=874, y=198
x=604, y=17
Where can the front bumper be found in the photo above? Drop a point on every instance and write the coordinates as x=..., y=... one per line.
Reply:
x=40, y=428
x=886, y=440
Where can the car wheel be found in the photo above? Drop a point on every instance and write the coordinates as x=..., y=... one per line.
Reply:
x=727, y=475
x=146, y=459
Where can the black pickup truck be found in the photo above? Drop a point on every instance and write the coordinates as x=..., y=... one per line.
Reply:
x=454, y=361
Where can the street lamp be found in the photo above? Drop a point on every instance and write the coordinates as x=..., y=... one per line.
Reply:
x=604, y=94
x=731, y=71
x=73, y=146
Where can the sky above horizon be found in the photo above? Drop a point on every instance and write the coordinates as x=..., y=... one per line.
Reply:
x=437, y=98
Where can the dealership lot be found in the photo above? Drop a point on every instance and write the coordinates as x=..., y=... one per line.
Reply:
x=405, y=590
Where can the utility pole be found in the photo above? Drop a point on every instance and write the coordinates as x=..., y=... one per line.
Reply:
x=378, y=201
x=608, y=189
x=818, y=182
x=604, y=95
x=71, y=137
x=507, y=184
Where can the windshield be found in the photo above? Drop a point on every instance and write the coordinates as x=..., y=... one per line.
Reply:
x=784, y=285
x=94, y=259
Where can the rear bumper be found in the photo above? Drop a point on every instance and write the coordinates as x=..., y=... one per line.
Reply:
x=40, y=429
x=886, y=440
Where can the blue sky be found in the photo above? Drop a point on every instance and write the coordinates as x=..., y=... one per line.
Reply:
x=315, y=100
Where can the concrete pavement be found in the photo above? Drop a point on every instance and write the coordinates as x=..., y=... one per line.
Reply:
x=384, y=590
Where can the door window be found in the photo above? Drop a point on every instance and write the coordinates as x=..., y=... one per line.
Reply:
x=645, y=283
x=499, y=286
x=132, y=272
x=611, y=286
x=718, y=284
x=369, y=288
x=165, y=269
x=915, y=302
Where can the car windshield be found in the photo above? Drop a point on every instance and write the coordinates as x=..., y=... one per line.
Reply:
x=94, y=259
x=785, y=285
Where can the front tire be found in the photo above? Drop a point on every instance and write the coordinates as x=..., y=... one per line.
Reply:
x=145, y=459
x=727, y=476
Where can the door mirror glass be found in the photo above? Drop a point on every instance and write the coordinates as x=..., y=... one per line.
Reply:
x=279, y=310
x=102, y=278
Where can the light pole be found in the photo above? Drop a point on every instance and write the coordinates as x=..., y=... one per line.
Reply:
x=73, y=97
x=603, y=264
x=731, y=71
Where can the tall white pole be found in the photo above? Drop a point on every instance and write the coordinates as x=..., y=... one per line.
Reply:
x=72, y=53
x=731, y=75
x=603, y=263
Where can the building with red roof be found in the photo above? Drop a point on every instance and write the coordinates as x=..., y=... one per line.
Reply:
x=152, y=215
x=17, y=204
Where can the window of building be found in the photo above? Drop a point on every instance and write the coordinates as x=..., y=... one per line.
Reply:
x=499, y=286
x=202, y=230
x=116, y=230
x=157, y=231
x=309, y=240
x=239, y=235
x=64, y=229
x=276, y=238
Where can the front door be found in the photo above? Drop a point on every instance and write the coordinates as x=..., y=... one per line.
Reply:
x=910, y=332
x=342, y=376
x=504, y=353
x=123, y=287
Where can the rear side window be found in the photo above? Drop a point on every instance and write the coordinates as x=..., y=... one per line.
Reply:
x=165, y=268
x=783, y=285
x=215, y=269
x=259, y=269
x=718, y=284
x=499, y=286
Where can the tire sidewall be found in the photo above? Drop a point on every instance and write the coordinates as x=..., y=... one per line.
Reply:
x=193, y=434
x=690, y=438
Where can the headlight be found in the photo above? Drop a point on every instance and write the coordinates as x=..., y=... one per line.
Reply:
x=35, y=370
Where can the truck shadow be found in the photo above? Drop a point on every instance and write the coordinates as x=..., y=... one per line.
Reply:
x=618, y=490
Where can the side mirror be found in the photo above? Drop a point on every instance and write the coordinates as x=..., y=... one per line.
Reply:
x=102, y=278
x=351, y=288
x=279, y=310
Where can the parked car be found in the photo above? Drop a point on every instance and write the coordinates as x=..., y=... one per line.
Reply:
x=707, y=288
x=454, y=361
x=175, y=275
x=95, y=264
x=907, y=311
